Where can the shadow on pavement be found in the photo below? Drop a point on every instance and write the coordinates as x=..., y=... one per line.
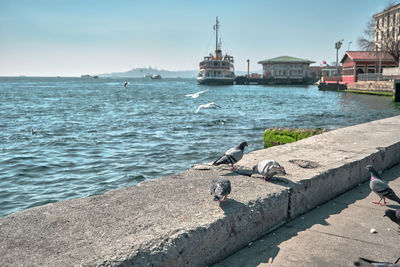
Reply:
x=230, y=206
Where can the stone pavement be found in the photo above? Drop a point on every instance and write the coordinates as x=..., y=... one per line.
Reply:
x=173, y=221
x=333, y=234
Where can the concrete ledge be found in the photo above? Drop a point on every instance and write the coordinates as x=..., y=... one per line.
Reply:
x=173, y=221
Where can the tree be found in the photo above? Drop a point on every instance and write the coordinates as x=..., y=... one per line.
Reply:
x=366, y=42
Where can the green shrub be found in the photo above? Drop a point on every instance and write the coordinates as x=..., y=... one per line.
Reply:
x=280, y=136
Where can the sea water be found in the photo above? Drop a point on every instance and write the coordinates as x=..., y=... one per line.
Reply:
x=63, y=138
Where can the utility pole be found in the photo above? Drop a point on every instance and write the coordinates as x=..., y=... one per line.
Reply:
x=337, y=47
x=248, y=68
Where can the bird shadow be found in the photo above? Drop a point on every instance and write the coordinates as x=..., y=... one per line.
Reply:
x=231, y=206
x=266, y=249
x=279, y=180
x=236, y=172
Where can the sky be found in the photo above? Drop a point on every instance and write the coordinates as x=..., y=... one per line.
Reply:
x=75, y=37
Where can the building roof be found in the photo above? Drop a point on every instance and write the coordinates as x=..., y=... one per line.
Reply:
x=286, y=59
x=386, y=11
x=367, y=56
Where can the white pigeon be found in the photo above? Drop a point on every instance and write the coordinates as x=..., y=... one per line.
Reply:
x=196, y=95
x=209, y=105
x=268, y=168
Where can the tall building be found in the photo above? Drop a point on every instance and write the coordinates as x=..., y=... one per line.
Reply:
x=387, y=27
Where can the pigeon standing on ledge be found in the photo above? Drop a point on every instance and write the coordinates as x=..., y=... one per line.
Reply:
x=232, y=155
x=268, y=168
x=220, y=189
x=394, y=215
x=380, y=187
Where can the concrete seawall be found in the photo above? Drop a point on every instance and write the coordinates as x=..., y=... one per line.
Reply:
x=174, y=222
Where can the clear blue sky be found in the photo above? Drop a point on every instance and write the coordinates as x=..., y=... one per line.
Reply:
x=74, y=37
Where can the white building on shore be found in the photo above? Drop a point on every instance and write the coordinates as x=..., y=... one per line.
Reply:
x=286, y=68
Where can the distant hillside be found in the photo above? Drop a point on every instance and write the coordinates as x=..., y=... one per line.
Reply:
x=141, y=72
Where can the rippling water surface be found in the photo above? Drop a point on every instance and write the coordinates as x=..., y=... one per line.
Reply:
x=92, y=135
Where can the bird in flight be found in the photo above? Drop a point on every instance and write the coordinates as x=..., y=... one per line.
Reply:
x=209, y=105
x=196, y=95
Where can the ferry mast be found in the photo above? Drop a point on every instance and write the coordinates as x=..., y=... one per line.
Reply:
x=216, y=26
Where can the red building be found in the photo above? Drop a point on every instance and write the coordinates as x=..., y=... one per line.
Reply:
x=362, y=62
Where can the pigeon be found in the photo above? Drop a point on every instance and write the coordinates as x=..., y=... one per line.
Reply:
x=232, y=155
x=126, y=84
x=380, y=187
x=268, y=168
x=209, y=105
x=197, y=94
x=220, y=189
x=362, y=262
x=394, y=215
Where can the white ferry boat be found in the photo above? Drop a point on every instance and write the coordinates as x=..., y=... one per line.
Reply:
x=217, y=69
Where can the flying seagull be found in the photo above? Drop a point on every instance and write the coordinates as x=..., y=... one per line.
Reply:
x=220, y=189
x=232, y=155
x=197, y=94
x=394, y=215
x=380, y=187
x=126, y=84
x=209, y=105
x=268, y=168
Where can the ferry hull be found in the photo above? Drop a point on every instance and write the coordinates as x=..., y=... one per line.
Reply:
x=215, y=81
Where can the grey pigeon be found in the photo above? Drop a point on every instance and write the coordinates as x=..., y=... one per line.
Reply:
x=220, y=189
x=380, y=187
x=268, y=168
x=394, y=215
x=362, y=262
x=232, y=155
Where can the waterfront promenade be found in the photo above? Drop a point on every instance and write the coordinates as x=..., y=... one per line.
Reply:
x=174, y=222
x=334, y=234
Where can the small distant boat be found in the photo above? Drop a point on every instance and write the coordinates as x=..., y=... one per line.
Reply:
x=147, y=76
x=156, y=77
x=85, y=76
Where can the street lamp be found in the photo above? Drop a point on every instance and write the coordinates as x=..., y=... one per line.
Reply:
x=337, y=47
